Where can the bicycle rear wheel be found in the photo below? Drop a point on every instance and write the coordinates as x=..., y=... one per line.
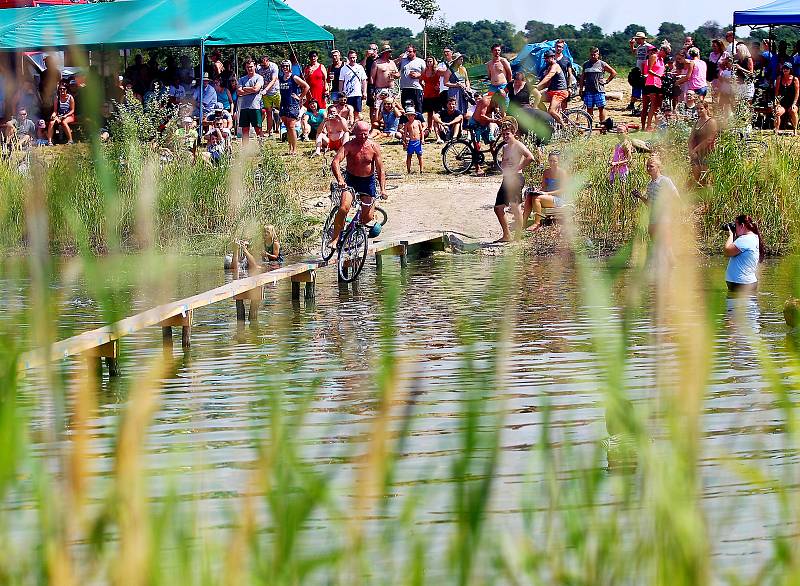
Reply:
x=352, y=254
x=457, y=156
x=326, y=252
x=496, y=150
x=578, y=123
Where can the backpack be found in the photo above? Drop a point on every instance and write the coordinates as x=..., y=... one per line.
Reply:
x=635, y=78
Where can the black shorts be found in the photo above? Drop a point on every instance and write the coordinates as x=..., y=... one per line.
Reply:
x=250, y=117
x=650, y=90
x=510, y=190
x=430, y=105
x=370, y=96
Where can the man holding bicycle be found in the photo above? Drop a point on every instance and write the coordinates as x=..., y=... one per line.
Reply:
x=364, y=170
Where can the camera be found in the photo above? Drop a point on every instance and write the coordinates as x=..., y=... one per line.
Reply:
x=729, y=226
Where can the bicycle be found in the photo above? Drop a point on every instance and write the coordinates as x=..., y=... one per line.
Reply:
x=380, y=217
x=460, y=154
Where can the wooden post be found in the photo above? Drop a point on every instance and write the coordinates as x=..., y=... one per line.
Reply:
x=295, y=289
x=255, y=296
x=403, y=254
x=378, y=262
x=309, y=278
x=311, y=288
x=240, y=310
x=109, y=351
x=166, y=337
x=184, y=320
x=254, y=305
x=186, y=335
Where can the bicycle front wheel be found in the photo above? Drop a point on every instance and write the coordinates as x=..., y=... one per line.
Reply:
x=326, y=252
x=352, y=254
x=457, y=156
x=578, y=123
x=496, y=150
x=380, y=215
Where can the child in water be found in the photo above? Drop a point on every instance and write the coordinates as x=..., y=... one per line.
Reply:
x=412, y=138
x=620, y=160
x=243, y=259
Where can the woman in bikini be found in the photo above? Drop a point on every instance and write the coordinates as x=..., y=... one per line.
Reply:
x=549, y=195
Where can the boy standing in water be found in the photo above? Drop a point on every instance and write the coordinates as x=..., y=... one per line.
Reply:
x=412, y=138
x=515, y=158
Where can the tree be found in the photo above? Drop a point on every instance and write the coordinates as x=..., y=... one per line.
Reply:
x=590, y=31
x=440, y=35
x=672, y=32
x=424, y=10
x=536, y=31
x=566, y=31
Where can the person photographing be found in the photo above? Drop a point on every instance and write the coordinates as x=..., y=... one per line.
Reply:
x=745, y=250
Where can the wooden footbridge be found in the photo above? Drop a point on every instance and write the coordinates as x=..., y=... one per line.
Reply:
x=103, y=343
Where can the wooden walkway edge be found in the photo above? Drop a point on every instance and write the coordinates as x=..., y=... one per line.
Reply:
x=102, y=342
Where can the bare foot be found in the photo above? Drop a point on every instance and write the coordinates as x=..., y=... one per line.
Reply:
x=534, y=228
x=503, y=240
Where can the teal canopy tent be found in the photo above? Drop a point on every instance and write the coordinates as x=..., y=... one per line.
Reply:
x=149, y=23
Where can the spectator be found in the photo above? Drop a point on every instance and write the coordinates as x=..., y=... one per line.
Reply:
x=514, y=159
x=333, y=132
x=249, y=102
x=696, y=72
x=430, y=92
x=498, y=70
x=745, y=250
x=21, y=131
x=204, y=96
x=449, y=121
x=652, y=95
x=345, y=110
x=725, y=84
x=702, y=140
x=482, y=118
x=217, y=66
x=673, y=91
x=367, y=64
x=458, y=83
x=317, y=77
x=443, y=69
x=687, y=110
x=796, y=59
x=312, y=119
x=787, y=90
x=63, y=114
x=272, y=247
x=556, y=83
x=518, y=92
x=335, y=70
x=215, y=146
x=48, y=83
x=353, y=83
x=712, y=74
x=186, y=135
x=593, y=83
x=412, y=138
x=270, y=93
x=389, y=119
x=548, y=195
x=622, y=157
x=220, y=114
x=224, y=96
x=139, y=75
x=176, y=91
x=382, y=75
x=744, y=70
x=688, y=43
x=411, y=68
x=293, y=92
x=769, y=60
x=661, y=193
x=640, y=48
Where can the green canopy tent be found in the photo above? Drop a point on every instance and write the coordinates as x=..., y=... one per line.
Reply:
x=151, y=23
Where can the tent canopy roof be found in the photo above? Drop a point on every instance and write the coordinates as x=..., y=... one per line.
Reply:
x=148, y=23
x=778, y=12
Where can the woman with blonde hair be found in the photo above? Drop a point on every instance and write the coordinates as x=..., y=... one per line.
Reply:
x=272, y=247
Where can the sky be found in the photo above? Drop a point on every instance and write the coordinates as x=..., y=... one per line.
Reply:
x=610, y=16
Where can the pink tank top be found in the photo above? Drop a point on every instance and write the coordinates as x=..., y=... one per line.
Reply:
x=654, y=74
x=698, y=78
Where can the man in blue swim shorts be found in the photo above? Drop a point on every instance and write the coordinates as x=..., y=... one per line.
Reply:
x=412, y=137
x=499, y=71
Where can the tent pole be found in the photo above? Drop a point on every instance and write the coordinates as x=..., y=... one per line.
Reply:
x=236, y=62
x=201, y=90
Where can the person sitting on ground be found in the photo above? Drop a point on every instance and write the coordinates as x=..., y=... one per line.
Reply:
x=449, y=120
x=186, y=135
x=345, y=110
x=787, y=90
x=548, y=195
x=20, y=131
x=63, y=114
x=215, y=146
x=687, y=109
x=556, y=83
x=592, y=83
x=701, y=142
x=333, y=132
x=745, y=250
x=412, y=138
x=41, y=134
x=388, y=123
x=221, y=114
x=622, y=157
x=364, y=170
x=481, y=118
x=272, y=246
x=312, y=119
x=514, y=158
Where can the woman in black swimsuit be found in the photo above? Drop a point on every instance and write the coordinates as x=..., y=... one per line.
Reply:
x=787, y=90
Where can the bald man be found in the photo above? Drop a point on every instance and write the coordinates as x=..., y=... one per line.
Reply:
x=364, y=170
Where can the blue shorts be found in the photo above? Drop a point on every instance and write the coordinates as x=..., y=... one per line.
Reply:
x=701, y=91
x=414, y=147
x=482, y=133
x=558, y=202
x=594, y=100
x=493, y=89
x=636, y=93
x=365, y=185
x=355, y=102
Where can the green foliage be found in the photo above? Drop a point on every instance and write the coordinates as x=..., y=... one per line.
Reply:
x=422, y=9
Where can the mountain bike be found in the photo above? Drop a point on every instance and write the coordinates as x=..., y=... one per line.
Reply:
x=459, y=155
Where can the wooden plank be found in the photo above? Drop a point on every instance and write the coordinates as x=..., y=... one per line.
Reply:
x=255, y=294
x=178, y=320
x=307, y=277
x=108, y=350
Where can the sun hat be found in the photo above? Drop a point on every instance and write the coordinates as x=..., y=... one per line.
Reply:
x=457, y=56
x=410, y=110
x=386, y=48
x=640, y=35
x=286, y=63
x=549, y=53
x=786, y=65
x=205, y=76
x=187, y=119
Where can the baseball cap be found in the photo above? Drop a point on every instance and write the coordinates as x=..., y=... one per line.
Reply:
x=286, y=63
x=410, y=110
x=786, y=65
x=42, y=123
x=219, y=106
x=549, y=53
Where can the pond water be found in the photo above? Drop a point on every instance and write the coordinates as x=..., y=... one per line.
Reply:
x=213, y=405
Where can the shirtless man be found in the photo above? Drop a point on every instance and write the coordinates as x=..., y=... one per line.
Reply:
x=364, y=166
x=479, y=123
x=499, y=72
x=382, y=75
x=701, y=142
x=333, y=132
x=345, y=109
x=515, y=157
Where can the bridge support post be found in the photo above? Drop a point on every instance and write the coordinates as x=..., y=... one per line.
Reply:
x=108, y=351
x=403, y=254
x=310, y=279
x=184, y=320
x=255, y=296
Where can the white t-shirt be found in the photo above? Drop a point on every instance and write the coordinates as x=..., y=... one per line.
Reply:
x=742, y=267
x=350, y=79
x=406, y=67
x=444, y=74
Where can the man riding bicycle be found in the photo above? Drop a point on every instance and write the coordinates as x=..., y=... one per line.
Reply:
x=364, y=170
x=479, y=123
